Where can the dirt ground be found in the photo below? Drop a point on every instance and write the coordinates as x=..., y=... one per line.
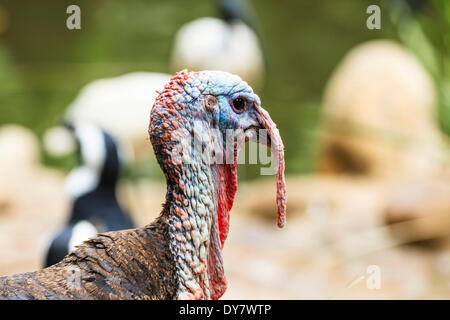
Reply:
x=333, y=235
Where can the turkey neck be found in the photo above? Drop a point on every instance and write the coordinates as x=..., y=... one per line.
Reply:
x=198, y=220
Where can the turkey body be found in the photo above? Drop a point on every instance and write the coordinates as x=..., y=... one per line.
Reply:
x=128, y=264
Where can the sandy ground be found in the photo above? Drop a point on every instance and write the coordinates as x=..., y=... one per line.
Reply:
x=333, y=234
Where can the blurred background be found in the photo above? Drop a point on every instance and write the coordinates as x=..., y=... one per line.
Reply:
x=364, y=115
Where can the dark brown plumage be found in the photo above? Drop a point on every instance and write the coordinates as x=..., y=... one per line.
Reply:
x=129, y=264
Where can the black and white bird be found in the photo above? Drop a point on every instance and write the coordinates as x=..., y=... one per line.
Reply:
x=92, y=188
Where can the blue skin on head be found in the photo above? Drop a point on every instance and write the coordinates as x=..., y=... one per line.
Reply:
x=226, y=88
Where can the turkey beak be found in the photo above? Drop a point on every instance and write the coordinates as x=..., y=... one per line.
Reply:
x=274, y=141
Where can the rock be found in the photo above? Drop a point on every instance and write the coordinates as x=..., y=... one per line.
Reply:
x=19, y=147
x=19, y=156
x=379, y=110
x=418, y=209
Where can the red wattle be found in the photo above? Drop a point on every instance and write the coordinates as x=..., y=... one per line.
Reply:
x=227, y=191
x=227, y=178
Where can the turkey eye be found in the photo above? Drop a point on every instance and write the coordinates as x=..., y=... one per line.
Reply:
x=239, y=105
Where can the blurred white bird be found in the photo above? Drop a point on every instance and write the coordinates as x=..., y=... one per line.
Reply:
x=119, y=105
x=227, y=44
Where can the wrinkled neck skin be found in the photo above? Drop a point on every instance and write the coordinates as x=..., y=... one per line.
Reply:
x=199, y=221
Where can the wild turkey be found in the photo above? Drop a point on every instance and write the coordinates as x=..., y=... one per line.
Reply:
x=92, y=187
x=179, y=255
